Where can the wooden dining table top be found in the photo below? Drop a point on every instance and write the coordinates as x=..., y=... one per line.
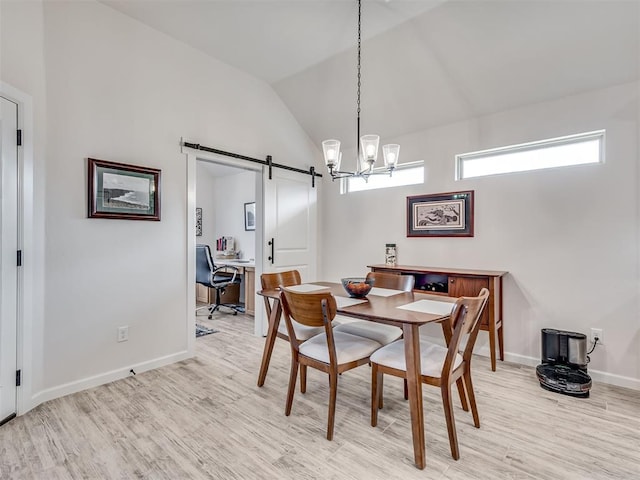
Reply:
x=382, y=309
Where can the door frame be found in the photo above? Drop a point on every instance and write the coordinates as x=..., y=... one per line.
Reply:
x=192, y=157
x=30, y=299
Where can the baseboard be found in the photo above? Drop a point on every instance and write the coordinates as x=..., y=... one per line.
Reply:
x=596, y=375
x=103, y=378
x=117, y=374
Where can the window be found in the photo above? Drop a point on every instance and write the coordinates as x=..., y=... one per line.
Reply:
x=405, y=174
x=578, y=149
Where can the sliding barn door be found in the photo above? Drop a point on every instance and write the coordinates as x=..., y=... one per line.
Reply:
x=290, y=223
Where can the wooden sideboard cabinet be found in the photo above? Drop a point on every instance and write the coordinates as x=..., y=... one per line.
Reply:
x=456, y=282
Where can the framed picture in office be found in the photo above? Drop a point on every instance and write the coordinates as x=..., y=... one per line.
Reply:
x=122, y=191
x=250, y=216
x=198, y=222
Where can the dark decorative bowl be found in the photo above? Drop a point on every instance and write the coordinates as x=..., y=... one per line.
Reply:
x=357, y=287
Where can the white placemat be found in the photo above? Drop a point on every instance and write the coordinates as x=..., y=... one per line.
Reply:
x=384, y=292
x=306, y=287
x=429, y=306
x=342, y=302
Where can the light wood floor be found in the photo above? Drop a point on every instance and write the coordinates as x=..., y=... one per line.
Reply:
x=206, y=418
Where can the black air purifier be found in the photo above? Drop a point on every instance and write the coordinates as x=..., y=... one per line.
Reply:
x=564, y=363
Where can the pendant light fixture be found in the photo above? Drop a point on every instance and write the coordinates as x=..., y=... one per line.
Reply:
x=367, y=145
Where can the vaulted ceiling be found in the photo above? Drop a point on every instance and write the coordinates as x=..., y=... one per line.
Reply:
x=424, y=63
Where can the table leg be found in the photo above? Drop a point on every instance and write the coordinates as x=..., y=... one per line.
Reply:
x=414, y=386
x=274, y=321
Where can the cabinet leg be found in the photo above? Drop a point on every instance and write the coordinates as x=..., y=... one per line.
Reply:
x=501, y=342
x=492, y=346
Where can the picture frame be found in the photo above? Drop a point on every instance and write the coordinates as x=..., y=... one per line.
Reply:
x=123, y=191
x=440, y=215
x=198, y=222
x=250, y=216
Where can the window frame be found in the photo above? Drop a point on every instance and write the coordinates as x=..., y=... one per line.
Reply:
x=344, y=182
x=599, y=135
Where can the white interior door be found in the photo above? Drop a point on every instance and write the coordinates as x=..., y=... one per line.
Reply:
x=8, y=250
x=290, y=223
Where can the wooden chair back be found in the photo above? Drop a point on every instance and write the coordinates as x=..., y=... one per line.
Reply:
x=466, y=324
x=311, y=309
x=392, y=281
x=271, y=281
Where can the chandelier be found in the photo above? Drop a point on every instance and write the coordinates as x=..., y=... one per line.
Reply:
x=367, y=145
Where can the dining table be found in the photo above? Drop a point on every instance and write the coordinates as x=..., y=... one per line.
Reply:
x=407, y=310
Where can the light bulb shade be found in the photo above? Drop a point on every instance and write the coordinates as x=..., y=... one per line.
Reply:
x=332, y=154
x=369, y=145
x=391, y=152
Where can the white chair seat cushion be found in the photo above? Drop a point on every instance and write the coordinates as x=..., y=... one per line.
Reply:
x=381, y=333
x=432, y=357
x=348, y=347
x=340, y=319
x=303, y=332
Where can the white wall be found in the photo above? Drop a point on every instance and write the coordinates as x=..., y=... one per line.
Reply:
x=117, y=90
x=205, y=184
x=222, y=199
x=22, y=67
x=230, y=194
x=568, y=237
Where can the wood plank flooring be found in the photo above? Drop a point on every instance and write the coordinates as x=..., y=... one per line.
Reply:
x=205, y=418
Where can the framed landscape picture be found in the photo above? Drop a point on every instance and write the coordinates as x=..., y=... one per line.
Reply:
x=118, y=190
x=440, y=215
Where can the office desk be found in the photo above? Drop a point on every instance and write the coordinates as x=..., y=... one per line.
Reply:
x=384, y=310
x=246, y=268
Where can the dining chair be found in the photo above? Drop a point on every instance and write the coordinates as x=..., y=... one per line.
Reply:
x=440, y=366
x=381, y=333
x=331, y=352
x=272, y=281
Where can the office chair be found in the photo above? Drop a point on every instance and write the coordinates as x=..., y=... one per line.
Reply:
x=218, y=278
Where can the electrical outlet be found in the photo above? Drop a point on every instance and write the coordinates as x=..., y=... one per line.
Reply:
x=123, y=333
x=597, y=332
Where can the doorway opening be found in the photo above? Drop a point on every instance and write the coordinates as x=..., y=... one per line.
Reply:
x=285, y=220
x=223, y=190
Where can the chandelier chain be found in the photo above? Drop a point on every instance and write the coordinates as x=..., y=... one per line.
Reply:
x=366, y=145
